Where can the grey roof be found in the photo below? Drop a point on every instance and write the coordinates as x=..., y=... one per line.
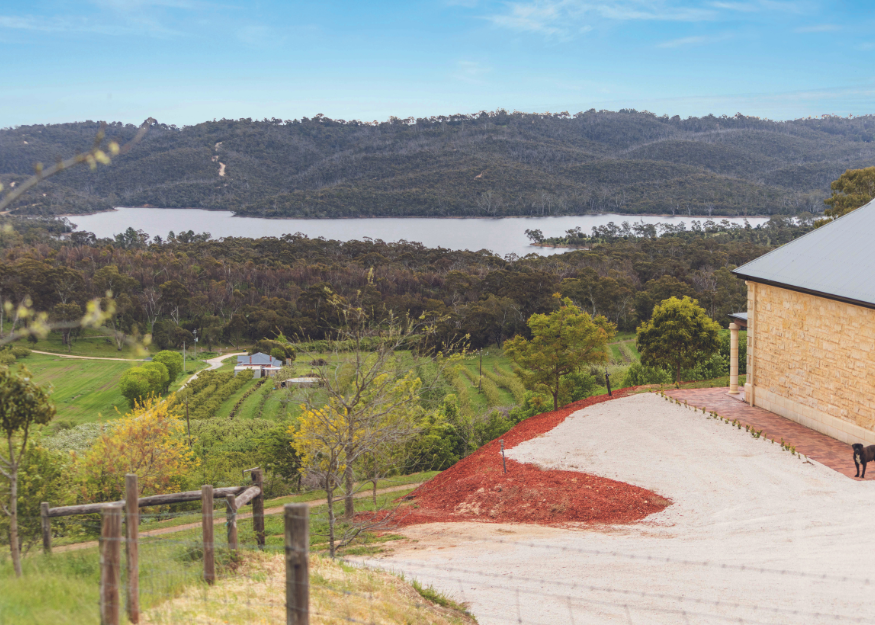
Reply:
x=258, y=359
x=835, y=261
x=742, y=316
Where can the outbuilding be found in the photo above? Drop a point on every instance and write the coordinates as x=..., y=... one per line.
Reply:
x=811, y=329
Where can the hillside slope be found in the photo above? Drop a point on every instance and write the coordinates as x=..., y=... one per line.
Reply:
x=489, y=164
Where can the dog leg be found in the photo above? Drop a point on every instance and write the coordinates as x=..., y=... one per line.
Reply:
x=857, y=464
x=863, y=477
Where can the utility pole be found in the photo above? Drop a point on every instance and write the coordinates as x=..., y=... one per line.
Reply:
x=183, y=359
x=480, y=380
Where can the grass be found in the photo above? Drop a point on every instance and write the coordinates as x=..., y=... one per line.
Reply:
x=255, y=594
x=83, y=390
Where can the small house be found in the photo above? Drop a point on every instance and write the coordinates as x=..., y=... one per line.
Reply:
x=260, y=364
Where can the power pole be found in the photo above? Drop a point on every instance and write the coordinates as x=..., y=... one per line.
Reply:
x=480, y=380
x=183, y=359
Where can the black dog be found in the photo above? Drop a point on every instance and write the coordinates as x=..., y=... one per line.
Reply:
x=863, y=455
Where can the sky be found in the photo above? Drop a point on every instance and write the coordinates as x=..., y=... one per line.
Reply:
x=187, y=61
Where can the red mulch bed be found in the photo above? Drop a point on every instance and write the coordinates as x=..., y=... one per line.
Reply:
x=476, y=488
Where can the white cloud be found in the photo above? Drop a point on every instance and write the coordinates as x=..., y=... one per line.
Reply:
x=471, y=72
x=693, y=41
x=819, y=28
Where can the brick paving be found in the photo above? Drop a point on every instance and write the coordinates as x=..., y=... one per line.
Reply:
x=820, y=447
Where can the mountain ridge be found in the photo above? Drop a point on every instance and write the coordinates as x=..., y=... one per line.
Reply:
x=488, y=165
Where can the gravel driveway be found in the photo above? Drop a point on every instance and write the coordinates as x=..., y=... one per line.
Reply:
x=740, y=504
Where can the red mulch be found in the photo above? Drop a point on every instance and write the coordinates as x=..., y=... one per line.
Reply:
x=476, y=488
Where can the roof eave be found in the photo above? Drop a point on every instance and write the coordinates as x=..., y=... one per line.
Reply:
x=799, y=289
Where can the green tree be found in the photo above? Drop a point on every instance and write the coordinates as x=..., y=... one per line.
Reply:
x=171, y=360
x=853, y=189
x=138, y=383
x=44, y=475
x=67, y=316
x=562, y=342
x=22, y=405
x=679, y=335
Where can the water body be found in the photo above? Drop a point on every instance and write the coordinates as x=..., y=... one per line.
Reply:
x=502, y=236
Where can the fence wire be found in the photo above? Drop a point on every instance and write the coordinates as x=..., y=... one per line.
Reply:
x=251, y=583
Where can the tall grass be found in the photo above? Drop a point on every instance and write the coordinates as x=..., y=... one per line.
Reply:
x=508, y=381
x=490, y=389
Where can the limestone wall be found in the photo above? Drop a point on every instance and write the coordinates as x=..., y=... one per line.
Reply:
x=813, y=361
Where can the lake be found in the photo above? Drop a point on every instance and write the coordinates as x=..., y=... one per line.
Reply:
x=502, y=236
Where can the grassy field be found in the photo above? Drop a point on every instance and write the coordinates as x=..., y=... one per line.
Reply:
x=86, y=390
x=83, y=390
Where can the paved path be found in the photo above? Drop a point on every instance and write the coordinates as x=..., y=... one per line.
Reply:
x=820, y=447
x=248, y=515
x=214, y=363
x=87, y=357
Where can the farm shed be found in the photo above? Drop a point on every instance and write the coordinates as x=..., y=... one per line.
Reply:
x=811, y=329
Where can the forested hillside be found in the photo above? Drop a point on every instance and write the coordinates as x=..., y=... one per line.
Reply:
x=488, y=164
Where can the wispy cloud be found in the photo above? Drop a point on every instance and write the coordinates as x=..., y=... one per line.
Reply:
x=819, y=28
x=471, y=72
x=567, y=18
x=693, y=41
x=570, y=17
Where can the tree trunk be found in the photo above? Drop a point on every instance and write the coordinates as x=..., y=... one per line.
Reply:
x=14, y=546
x=348, y=501
x=678, y=377
x=329, y=498
x=374, y=482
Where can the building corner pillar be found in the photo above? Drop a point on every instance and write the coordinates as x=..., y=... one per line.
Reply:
x=733, y=359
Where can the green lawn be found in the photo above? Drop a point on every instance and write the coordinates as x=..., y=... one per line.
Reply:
x=83, y=390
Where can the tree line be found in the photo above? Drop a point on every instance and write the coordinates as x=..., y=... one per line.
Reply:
x=236, y=291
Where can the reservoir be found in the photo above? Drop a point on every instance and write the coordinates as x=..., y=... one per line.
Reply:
x=503, y=236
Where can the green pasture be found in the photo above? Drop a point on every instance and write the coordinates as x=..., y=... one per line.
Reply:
x=82, y=390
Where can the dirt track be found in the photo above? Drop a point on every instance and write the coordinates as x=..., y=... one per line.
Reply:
x=739, y=502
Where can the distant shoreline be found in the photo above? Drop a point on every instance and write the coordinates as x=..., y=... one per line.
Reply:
x=712, y=217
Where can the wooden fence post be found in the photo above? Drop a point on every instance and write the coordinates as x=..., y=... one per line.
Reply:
x=231, y=512
x=297, y=541
x=110, y=564
x=46, y=525
x=258, y=508
x=207, y=525
x=132, y=547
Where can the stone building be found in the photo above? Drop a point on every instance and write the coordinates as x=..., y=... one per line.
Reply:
x=811, y=329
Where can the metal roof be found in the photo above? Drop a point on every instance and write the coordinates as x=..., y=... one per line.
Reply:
x=742, y=316
x=836, y=261
x=258, y=359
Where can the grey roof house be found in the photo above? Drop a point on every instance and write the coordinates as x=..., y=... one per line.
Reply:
x=811, y=328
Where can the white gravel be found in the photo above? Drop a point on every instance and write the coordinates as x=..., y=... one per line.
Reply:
x=738, y=501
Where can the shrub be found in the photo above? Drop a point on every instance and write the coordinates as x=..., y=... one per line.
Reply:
x=269, y=346
x=638, y=375
x=78, y=438
x=715, y=366
x=161, y=378
x=20, y=352
x=172, y=360
x=136, y=385
x=148, y=442
x=491, y=428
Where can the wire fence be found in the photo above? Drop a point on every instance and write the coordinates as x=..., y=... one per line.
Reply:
x=220, y=569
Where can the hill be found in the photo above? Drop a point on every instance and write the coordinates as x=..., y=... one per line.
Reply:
x=488, y=164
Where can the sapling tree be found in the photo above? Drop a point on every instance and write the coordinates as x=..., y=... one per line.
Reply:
x=23, y=404
x=562, y=342
x=678, y=336
x=367, y=403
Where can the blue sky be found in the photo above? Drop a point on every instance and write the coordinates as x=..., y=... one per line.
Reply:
x=185, y=61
